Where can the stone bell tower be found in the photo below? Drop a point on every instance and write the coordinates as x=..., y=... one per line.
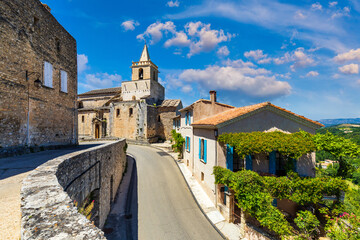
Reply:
x=144, y=81
x=145, y=68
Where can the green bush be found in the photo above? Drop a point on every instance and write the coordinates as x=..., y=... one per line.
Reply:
x=307, y=223
x=179, y=142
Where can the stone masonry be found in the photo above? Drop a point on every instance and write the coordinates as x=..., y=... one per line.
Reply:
x=32, y=40
x=49, y=192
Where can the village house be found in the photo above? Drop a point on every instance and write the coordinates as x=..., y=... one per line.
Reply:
x=137, y=110
x=38, y=79
x=202, y=151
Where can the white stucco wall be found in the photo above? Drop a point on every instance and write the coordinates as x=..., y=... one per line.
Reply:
x=187, y=131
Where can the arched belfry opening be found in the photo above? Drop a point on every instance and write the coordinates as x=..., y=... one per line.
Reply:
x=141, y=73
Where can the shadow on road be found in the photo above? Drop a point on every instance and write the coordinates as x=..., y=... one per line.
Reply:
x=122, y=223
x=12, y=166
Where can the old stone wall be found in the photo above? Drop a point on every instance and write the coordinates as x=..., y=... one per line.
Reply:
x=49, y=192
x=29, y=36
x=165, y=121
x=125, y=116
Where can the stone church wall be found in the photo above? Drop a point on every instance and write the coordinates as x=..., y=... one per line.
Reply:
x=125, y=123
x=30, y=35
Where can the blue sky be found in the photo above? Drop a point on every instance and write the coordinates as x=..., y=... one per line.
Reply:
x=300, y=55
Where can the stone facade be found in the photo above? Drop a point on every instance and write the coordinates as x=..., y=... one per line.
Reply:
x=136, y=110
x=49, y=192
x=33, y=45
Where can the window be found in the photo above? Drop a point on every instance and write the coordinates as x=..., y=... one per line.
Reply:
x=187, y=144
x=64, y=81
x=141, y=73
x=203, y=150
x=159, y=120
x=130, y=112
x=187, y=118
x=117, y=112
x=36, y=21
x=82, y=119
x=48, y=75
x=80, y=105
x=202, y=176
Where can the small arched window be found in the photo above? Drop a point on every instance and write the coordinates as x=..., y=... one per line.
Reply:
x=117, y=112
x=159, y=120
x=80, y=105
x=130, y=112
x=141, y=73
x=82, y=119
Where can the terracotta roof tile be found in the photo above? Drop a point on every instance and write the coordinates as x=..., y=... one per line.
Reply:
x=237, y=112
x=170, y=103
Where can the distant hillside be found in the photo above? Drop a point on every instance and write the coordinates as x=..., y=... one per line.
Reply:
x=338, y=121
x=346, y=130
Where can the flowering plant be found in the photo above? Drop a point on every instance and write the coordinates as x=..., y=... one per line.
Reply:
x=344, y=227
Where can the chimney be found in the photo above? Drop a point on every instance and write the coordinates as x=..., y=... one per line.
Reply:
x=213, y=96
x=47, y=7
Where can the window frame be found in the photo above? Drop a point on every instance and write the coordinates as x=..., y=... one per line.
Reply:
x=48, y=67
x=64, y=86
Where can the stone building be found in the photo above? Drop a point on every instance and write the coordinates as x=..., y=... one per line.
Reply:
x=38, y=78
x=137, y=110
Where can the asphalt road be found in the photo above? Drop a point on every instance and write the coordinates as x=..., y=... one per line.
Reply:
x=165, y=208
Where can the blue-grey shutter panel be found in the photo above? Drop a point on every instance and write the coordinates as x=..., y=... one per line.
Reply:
x=189, y=118
x=249, y=163
x=186, y=142
x=189, y=144
x=229, y=157
x=295, y=165
x=205, y=150
x=272, y=162
x=199, y=148
x=186, y=120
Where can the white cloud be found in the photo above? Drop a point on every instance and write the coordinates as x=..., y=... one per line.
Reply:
x=130, y=25
x=299, y=15
x=358, y=81
x=100, y=80
x=82, y=61
x=171, y=3
x=340, y=13
x=332, y=4
x=238, y=76
x=316, y=6
x=155, y=31
x=223, y=51
x=198, y=36
x=312, y=74
x=205, y=39
x=180, y=40
x=255, y=54
x=353, y=54
x=186, y=88
x=301, y=59
x=350, y=69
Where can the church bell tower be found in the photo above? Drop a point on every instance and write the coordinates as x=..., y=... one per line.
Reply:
x=144, y=69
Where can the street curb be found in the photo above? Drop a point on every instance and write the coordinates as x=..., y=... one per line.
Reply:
x=212, y=224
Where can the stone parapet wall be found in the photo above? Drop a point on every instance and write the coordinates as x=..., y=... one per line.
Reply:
x=49, y=192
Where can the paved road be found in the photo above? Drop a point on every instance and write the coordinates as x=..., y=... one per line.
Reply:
x=162, y=205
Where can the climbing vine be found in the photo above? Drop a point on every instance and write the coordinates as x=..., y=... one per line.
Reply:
x=179, y=142
x=293, y=145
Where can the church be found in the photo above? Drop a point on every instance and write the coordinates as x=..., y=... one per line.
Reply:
x=136, y=111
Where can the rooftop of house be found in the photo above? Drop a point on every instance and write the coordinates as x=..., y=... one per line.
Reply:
x=170, y=103
x=205, y=101
x=101, y=91
x=237, y=112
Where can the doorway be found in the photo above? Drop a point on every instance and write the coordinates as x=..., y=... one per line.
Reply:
x=97, y=131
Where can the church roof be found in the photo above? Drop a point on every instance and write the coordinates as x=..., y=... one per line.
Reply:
x=237, y=112
x=170, y=103
x=102, y=91
x=145, y=54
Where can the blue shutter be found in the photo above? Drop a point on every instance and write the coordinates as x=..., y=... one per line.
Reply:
x=272, y=162
x=189, y=144
x=189, y=118
x=229, y=157
x=249, y=165
x=186, y=142
x=295, y=165
x=199, y=148
x=205, y=150
x=186, y=120
x=274, y=202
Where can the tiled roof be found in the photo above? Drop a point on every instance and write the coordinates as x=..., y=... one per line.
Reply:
x=206, y=101
x=102, y=91
x=237, y=112
x=170, y=103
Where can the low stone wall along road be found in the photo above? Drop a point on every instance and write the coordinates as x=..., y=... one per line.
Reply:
x=162, y=206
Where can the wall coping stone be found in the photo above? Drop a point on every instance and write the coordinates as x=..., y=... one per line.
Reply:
x=47, y=211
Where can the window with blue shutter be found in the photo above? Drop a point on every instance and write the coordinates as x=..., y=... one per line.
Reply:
x=199, y=148
x=249, y=165
x=186, y=119
x=205, y=151
x=189, y=143
x=189, y=116
x=229, y=157
x=186, y=143
x=294, y=165
x=272, y=162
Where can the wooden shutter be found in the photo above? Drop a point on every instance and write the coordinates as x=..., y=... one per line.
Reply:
x=249, y=165
x=205, y=150
x=229, y=157
x=189, y=144
x=272, y=162
x=189, y=118
x=199, y=148
x=186, y=119
x=64, y=81
x=48, y=74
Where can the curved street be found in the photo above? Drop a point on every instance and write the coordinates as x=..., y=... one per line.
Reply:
x=162, y=206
